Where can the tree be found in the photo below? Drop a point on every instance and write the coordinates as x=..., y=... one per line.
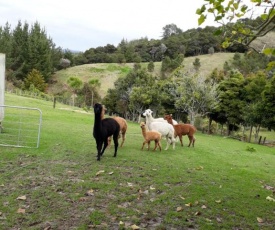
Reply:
x=197, y=64
x=151, y=66
x=6, y=43
x=19, y=51
x=94, y=85
x=132, y=93
x=168, y=65
x=240, y=32
x=211, y=50
x=250, y=62
x=65, y=63
x=231, y=99
x=170, y=30
x=194, y=95
x=36, y=79
x=75, y=83
x=253, y=113
x=268, y=106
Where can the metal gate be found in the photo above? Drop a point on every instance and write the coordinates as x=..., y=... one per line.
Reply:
x=20, y=127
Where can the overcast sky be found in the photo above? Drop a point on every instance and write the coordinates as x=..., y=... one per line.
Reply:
x=83, y=24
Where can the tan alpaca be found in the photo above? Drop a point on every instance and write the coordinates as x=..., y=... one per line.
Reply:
x=150, y=136
x=122, y=124
x=123, y=128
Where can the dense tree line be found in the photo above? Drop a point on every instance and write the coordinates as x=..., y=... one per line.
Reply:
x=29, y=48
x=174, y=42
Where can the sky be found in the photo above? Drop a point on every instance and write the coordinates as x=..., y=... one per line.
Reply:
x=84, y=24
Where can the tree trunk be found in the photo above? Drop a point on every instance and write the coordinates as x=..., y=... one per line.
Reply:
x=228, y=130
x=139, y=118
x=250, y=133
x=257, y=132
x=192, y=118
x=54, y=102
x=209, y=125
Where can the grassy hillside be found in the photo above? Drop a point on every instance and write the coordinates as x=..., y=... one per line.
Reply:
x=108, y=73
x=219, y=184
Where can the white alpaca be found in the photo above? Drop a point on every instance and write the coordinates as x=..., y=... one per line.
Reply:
x=149, y=111
x=166, y=129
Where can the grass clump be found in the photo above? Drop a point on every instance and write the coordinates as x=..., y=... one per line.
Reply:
x=250, y=149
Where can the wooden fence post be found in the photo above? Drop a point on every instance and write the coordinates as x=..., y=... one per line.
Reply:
x=260, y=140
x=264, y=140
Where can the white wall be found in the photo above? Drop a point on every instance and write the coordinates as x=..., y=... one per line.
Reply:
x=2, y=85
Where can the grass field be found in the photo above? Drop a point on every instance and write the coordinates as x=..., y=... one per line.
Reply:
x=221, y=183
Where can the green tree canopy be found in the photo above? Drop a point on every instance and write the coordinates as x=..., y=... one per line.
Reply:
x=231, y=98
x=231, y=15
x=36, y=79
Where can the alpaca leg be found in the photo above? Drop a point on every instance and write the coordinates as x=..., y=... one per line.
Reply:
x=190, y=140
x=167, y=143
x=104, y=146
x=109, y=141
x=174, y=142
x=144, y=142
x=99, y=147
x=123, y=139
x=156, y=145
x=194, y=139
x=180, y=137
x=148, y=147
x=159, y=145
x=115, y=138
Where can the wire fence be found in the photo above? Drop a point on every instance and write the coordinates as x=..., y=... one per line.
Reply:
x=20, y=127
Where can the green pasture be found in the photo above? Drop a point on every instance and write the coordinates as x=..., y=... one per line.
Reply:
x=221, y=183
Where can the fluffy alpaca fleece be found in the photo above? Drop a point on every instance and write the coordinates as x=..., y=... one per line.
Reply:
x=123, y=128
x=150, y=136
x=160, y=119
x=183, y=129
x=104, y=128
x=166, y=129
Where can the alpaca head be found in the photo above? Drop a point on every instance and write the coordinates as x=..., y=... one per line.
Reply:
x=98, y=108
x=148, y=113
x=168, y=117
x=142, y=125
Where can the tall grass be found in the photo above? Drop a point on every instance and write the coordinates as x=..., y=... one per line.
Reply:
x=218, y=184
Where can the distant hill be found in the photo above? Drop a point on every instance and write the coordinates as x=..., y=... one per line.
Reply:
x=267, y=41
x=108, y=73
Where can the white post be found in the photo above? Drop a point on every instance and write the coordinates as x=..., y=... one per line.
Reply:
x=2, y=86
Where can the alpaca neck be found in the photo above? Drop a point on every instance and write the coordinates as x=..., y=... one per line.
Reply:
x=97, y=122
x=170, y=121
x=149, y=119
x=143, y=132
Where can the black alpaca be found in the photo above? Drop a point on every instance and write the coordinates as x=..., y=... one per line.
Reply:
x=104, y=128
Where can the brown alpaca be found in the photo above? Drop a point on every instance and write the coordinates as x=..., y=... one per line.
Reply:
x=123, y=128
x=183, y=129
x=122, y=124
x=150, y=136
